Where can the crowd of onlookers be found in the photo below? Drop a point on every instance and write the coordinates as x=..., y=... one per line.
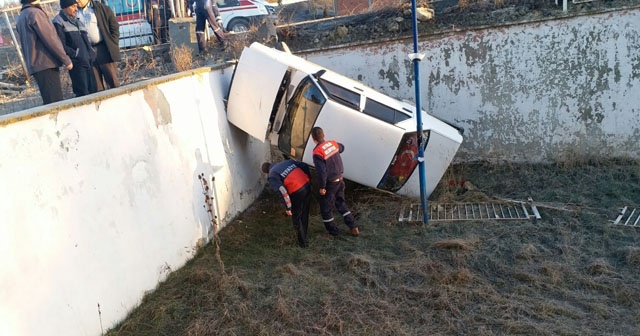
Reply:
x=82, y=38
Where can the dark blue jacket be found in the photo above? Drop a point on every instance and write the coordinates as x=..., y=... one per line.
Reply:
x=74, y=39
x=328, y=162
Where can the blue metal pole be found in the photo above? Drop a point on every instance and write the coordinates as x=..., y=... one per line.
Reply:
x=416, y=58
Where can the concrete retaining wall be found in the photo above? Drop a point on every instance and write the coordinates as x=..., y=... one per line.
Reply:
x=537, y=91
x=101, y=198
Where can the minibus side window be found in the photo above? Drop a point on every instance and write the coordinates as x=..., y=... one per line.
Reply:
x=341, y=95
x=383, y=112
x=302, y=112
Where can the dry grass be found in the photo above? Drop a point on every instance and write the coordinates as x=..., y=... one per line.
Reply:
x=570, y=273
x=181, y=57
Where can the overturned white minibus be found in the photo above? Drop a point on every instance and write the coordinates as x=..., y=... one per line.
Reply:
x=280, y=97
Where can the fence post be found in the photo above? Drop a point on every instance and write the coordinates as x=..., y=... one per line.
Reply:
x=17, y=45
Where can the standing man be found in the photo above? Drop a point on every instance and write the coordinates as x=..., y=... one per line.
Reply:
x=43, y=51
x=76, y=44
x=158, y=15
x=291, y=179
x=103, y=31
x=329, y=168
x=207, y=11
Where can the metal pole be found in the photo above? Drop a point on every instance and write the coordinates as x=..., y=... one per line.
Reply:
x=17, y=46
x=416, y=58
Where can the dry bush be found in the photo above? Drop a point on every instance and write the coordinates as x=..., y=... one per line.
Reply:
x=458, y=276
x=633, y=257
x=553, y=272
x=181, y=57
x=600, y=267
x=290, y=269
x=456, y=244
x=359, y=263
x=528, y=252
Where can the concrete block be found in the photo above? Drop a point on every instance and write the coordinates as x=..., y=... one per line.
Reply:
x=182, y=31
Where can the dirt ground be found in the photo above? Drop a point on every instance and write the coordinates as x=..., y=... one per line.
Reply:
x=569, y=273
x=395, y=21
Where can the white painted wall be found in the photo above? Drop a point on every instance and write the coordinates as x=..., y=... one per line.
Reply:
x=537, y=91
x=101, y=198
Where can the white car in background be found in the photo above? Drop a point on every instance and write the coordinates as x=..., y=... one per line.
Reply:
x=280, y=97
x=240, y=15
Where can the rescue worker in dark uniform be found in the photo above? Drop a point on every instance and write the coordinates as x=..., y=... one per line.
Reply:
x=292, y=180
x=329, y=168
x=207, y=10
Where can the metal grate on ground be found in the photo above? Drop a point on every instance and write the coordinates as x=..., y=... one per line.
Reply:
x=628, y=217
x=454, y=212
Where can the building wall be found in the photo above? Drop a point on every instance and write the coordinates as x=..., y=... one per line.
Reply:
x=101, y=198
x=534, y=91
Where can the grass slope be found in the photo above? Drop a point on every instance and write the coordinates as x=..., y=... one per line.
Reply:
x=570, y=273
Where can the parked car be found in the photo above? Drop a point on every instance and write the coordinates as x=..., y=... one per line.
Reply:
x=240, y=15
x=280, y=97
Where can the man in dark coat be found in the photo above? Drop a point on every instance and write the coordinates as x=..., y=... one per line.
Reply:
x=158, y=15
x=291, y=180
x=104, y=35
x=42, y=50
x=76, y=44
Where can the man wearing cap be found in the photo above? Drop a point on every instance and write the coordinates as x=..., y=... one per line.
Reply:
x=76, y=44
x=104, y=35
x=42, y=50
x=291, y=179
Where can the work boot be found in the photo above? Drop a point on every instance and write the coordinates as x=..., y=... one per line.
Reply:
x=354, y=231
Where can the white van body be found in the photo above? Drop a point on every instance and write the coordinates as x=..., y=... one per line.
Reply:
x=278, y=96
x=240, y=15
x=135, y=33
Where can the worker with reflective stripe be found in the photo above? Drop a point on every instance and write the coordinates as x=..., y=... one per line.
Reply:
x=291, y=179
x=329, y=168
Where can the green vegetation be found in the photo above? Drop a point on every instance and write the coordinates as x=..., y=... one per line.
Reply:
x=570, y=273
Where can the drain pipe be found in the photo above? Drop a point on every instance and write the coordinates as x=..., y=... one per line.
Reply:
x=416, y=57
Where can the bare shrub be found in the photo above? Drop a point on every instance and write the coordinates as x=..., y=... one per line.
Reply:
x=600, y=267
x=182, y=57
x=633, y=257
x=359, y=263
x=527, y=252
x=457, y=277
x=455, y=244
x=553, y=272
x=290, y=269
